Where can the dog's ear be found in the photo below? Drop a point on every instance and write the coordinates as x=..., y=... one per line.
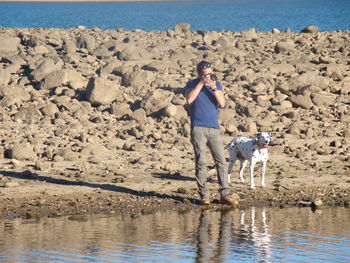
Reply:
x=270, y=134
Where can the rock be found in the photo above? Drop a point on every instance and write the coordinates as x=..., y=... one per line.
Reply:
x=155, y=101
x=326, y=60
x=20, y=152
x=323, y=99
x=310, y=79
x=44, y=68
x=102, y=52
x=275, y=31
x=27, y=114
x=9, y=45
x=68, y=154
x=121, y=109
x=39, y=165
x=182, y=28
x=95, y=149
x=11, y=184
x=4, y=77
x=68, y=46
x=249, y=34
x=210, y=37
x=310, y=29
x=282, y=68
x=49, y=110
x=317, y=202
x=347, y=133
x=134, y=53
x=284, y=47
x=13, y=94
x=170, y=111
x=303, y=101
x=54, y=79
x=139, y=115
x=86, y=41
x=101, y=91
x=158, y=66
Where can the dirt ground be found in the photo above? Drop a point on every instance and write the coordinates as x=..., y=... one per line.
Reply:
x=145, y=187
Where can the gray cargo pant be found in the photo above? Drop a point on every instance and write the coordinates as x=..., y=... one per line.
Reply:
x=201, y=138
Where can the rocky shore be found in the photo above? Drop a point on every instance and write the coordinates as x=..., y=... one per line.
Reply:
x=95, y=120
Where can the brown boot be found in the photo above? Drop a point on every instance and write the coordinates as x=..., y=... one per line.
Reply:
x=205, y=201
x=230, y=199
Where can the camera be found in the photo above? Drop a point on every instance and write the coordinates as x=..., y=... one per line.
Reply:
x=213, y=77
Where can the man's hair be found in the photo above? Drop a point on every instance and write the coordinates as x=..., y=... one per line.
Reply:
x=203, y=65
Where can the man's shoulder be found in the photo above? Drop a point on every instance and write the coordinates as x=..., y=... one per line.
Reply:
x=191, y=83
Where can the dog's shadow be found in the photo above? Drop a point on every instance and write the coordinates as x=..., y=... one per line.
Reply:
x=27, y=175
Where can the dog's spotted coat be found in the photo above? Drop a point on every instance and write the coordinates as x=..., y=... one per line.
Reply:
x=252, y=150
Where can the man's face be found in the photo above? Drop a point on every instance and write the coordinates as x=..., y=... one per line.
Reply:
x=206, y=71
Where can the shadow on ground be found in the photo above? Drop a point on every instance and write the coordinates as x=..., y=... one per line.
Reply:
x=27, y=175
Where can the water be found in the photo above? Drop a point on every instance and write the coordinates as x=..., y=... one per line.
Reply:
x=233, y=15
x=254, y=235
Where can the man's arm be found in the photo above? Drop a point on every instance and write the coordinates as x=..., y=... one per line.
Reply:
x=193, y=93
x=219, y=94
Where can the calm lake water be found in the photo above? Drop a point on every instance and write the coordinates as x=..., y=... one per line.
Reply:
x=233, y=15
x=254, y=235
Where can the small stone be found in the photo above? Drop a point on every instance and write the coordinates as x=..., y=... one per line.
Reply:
x=317, y=202
x=186, y=201
x=11, y=184
x=182, y=190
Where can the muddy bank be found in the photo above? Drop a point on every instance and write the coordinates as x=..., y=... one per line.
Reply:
x=86, y=110
x=78, y=201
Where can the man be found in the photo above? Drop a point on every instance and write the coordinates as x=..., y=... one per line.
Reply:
x=205, y=96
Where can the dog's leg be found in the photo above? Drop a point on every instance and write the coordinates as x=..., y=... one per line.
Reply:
x=243, y=165
x=251, y=173
x=233, y=158
x=263, y=168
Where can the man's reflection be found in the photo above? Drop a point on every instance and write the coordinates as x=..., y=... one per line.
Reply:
x=233, y=235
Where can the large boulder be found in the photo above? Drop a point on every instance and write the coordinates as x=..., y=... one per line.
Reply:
x=95, y=149
x=101, y=91
x=27, y=114
x=134, y=53
x=49, y=110
x=310, y=29
x=86, y=41
x=285, y=47
x=249, y=34
x=306, y=79
x=54, y=79
x=13, y=94
x=8, y=44
x=155, y=101
x=182, y=28
x=5, y=77
x=21, y=152
x=323, y=99
x=46, y=67
x=68, y=46
x=282, y=68
x=302, y=100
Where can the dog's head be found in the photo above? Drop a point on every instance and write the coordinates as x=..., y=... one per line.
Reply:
x=263, y=139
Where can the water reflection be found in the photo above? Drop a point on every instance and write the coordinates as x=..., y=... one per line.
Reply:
x=253, y=235
x=246, y=236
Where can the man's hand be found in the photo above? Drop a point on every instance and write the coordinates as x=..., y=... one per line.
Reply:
x=209, y=82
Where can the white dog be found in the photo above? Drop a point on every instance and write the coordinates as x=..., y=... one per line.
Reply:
x=254, y=150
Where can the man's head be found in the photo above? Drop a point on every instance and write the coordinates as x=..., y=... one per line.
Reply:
x=204, y=68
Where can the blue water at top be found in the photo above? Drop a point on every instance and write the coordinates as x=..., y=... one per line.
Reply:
x=232, y=15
